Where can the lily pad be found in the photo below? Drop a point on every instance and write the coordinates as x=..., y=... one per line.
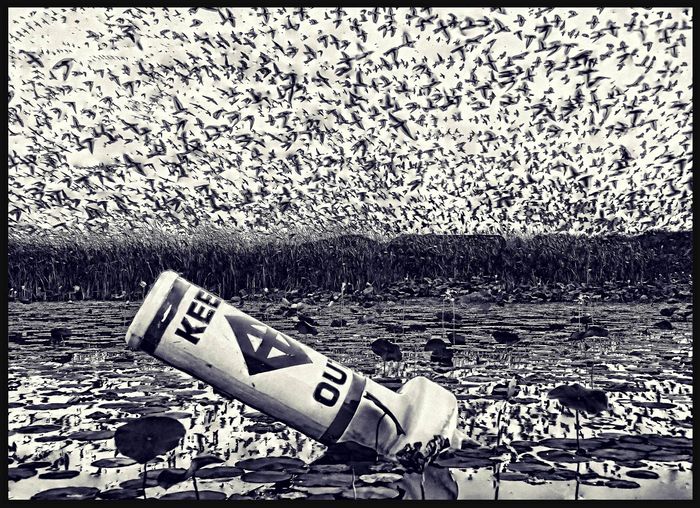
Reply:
x=146, y=410
x=169, y=477
x=640, y=447
x=370, y=492
x=317, y=491
x=118, y=405
x=522, y=446
x=631, y=463
x=386, y=350
x=632, y=439
x=621, y=484
x=137, y=483
x=68, y=494
x=476, y=453
x=670, y=441
x=116, y=494
x=653, y=405
x=157, y=400
x=525, y=401
x=15, y=474
x=558, y=474
x=50, y=406
x=38, y=429
x=59, y=475
x=266, y=476
x=462, y=461
x=596, y=331
x=324, y=480
x=435, y=344
x=618, y=454
x=562, y=456
x=40, y=464
x=264, y=428
x=380, y=477
x=529, y=467
x=114, y=462
x=664, y=324
x=146, y=438
x=98, y=415
x=570, y=444
x=92, y=435
x=50, y=439
x=218, y=472
x=204, y=495
x=279, y=463
x=243, y=497
x=670, y=456
x=178, y=415
x=512, y=476
x=580, y=398
x=505, y=337
x=154, y=473
x=643, y=474
x=329, y=468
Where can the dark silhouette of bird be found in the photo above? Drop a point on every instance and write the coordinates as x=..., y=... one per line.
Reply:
x=480, y=118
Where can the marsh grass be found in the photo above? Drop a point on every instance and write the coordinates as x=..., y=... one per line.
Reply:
x=228, y=262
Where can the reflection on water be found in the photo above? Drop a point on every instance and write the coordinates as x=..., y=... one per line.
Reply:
x=64, y=402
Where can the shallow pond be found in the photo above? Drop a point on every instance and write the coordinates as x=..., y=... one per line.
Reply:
x=66, y=402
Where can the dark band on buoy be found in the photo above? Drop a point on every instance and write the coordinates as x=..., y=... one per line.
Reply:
x=347, y=411
x=161, y=320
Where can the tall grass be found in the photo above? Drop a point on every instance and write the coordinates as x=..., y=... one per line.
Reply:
x=227, y=262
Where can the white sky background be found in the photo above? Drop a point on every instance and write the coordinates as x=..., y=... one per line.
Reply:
x=550, y=161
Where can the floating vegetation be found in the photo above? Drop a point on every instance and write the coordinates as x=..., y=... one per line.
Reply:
x=60, y=417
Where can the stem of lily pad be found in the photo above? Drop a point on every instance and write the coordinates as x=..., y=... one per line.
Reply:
x=144, y=480
x=443, y=317
x=354, y=491
x=194, y=484
x=498, y=425
x=403, y=317
x=497, y=480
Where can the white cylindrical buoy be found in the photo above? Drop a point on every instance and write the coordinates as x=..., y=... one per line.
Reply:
x=202, y=335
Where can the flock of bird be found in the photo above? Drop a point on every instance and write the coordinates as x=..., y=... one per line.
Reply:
x=385, y=120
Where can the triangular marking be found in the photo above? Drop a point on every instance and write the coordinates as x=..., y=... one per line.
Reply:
x=255, y=342
x=261, y=329
x=281, y=339
x=274, y=352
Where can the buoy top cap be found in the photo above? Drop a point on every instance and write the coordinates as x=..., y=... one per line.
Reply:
x=147, y=312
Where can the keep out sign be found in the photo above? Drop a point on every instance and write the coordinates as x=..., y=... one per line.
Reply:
x=201, y=334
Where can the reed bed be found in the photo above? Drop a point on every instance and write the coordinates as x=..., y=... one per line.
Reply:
x=227, y=262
